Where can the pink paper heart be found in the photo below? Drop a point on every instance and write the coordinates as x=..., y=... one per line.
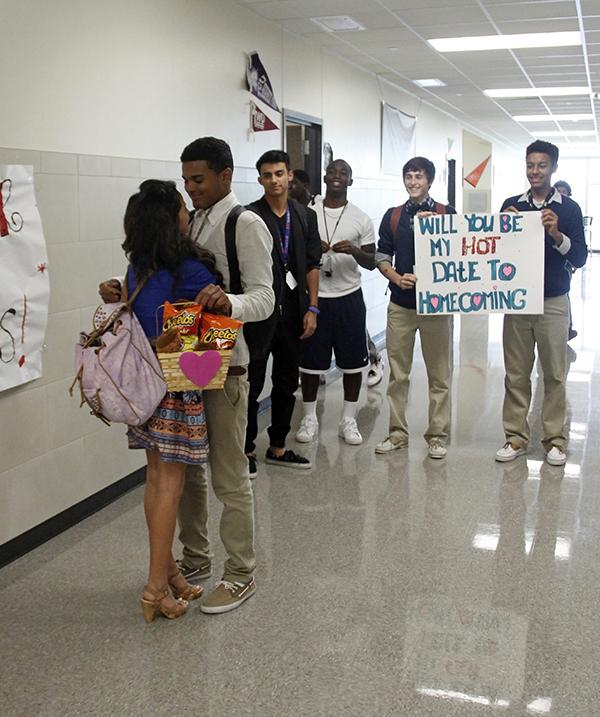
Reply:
x=434, y=301
x=507, y=270
x=476, y=299
x=200, y=369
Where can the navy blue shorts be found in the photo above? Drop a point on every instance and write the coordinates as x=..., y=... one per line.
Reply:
x=341, y=328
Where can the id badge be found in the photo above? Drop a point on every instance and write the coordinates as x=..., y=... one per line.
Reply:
x=290, y=281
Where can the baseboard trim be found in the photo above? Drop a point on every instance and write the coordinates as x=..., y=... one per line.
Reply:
x=50, y=528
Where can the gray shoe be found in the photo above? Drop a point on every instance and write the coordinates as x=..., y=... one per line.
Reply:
x=202, y=571
x=388, y=445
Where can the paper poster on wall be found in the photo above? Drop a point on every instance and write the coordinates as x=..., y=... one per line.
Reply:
x=24, y=284
x=259, y=122
x=258, y=80
x=480, y=263
x=397, y=139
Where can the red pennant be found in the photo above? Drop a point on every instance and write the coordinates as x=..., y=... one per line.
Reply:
x=473, y=177
x=259, y=122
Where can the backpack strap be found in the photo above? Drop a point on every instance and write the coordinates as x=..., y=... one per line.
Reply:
x=235, y=281
x=395, y=219
x=440, y=208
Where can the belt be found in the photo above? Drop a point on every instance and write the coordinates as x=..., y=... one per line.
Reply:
x=236, y=371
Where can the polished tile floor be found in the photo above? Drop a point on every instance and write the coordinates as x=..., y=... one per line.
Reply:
x=388, y=585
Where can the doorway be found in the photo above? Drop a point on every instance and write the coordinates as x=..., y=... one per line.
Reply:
x=302, y=141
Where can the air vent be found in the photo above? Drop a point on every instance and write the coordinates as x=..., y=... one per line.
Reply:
x=338, y=23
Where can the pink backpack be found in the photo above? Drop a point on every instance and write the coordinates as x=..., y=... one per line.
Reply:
x=119, y=375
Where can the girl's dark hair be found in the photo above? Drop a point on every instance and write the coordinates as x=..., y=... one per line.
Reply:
x=152, y=237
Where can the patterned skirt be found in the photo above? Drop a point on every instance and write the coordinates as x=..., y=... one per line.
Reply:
x=176, y=429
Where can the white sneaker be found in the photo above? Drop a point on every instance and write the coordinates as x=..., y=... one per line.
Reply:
x=556, y=456
x=349, y=431
x=508, y=452
x=375, y=374
x=437, y=449
x=388, y=445
x=307, y=432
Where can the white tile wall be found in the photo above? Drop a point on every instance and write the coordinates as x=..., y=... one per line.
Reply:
x=58, y=199
x=54, y=453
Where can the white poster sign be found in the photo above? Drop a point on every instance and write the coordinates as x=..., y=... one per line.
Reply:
x=24, y=284
x=397, y=139
x=480, y=263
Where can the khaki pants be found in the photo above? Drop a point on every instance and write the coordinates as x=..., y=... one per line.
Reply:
x=435, y=333
x=226, y=414
x=520, y=336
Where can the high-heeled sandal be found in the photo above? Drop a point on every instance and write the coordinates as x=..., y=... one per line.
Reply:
x=151, y=608
x=189, y=592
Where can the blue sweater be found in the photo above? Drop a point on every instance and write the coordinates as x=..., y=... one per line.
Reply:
x=191, y=277
x=402, y=248
x=557, y=278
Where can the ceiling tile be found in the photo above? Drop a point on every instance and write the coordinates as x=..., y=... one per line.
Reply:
x=532, y=11
x=394, y=47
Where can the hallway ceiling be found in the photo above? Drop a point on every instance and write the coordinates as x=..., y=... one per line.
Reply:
x=394, y=46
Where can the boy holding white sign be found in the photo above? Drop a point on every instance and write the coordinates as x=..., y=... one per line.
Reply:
x=395, y=259
x=563, y=241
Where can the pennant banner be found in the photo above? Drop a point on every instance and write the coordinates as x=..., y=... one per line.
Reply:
x=473, y=177
x=259, y=122
x=259, y=83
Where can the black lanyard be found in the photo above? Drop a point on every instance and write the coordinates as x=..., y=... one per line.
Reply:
x=329, y=240
x=546, y=203
x=284, y=240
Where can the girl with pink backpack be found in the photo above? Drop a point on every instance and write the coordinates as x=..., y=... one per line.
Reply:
x=168, y=266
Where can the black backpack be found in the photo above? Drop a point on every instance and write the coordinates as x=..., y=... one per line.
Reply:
x=258, y=334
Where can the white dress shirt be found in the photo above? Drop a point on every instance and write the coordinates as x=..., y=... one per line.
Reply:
x=253, y=243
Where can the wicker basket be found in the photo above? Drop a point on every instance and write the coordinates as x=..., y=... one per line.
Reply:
x=175, y=379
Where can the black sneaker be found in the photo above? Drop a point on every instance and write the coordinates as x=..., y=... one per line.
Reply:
x=252, y=467
x=289, y=460
x=201, y=572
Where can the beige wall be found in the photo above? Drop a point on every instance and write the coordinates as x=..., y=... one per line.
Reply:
x=106, y=94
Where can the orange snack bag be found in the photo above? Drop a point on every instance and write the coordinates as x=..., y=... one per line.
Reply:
x=186, y=320
x=218, y=332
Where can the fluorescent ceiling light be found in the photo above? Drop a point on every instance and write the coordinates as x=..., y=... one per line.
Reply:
x=338, y=23
x=538, y=92
x=505, y=42
x=430, y=82
x=574, y=133
x=553, y=118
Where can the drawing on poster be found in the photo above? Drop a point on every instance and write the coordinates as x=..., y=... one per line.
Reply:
x=24, y=282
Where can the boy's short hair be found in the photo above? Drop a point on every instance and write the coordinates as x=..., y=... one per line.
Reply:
x=420, y=164
x=543, y=147
x=343, y=161
x=273, y=156
x=301, y=176
x=564, y=185
x=215, y=152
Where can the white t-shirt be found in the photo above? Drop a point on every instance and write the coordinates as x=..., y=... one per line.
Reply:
x=347, y=223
